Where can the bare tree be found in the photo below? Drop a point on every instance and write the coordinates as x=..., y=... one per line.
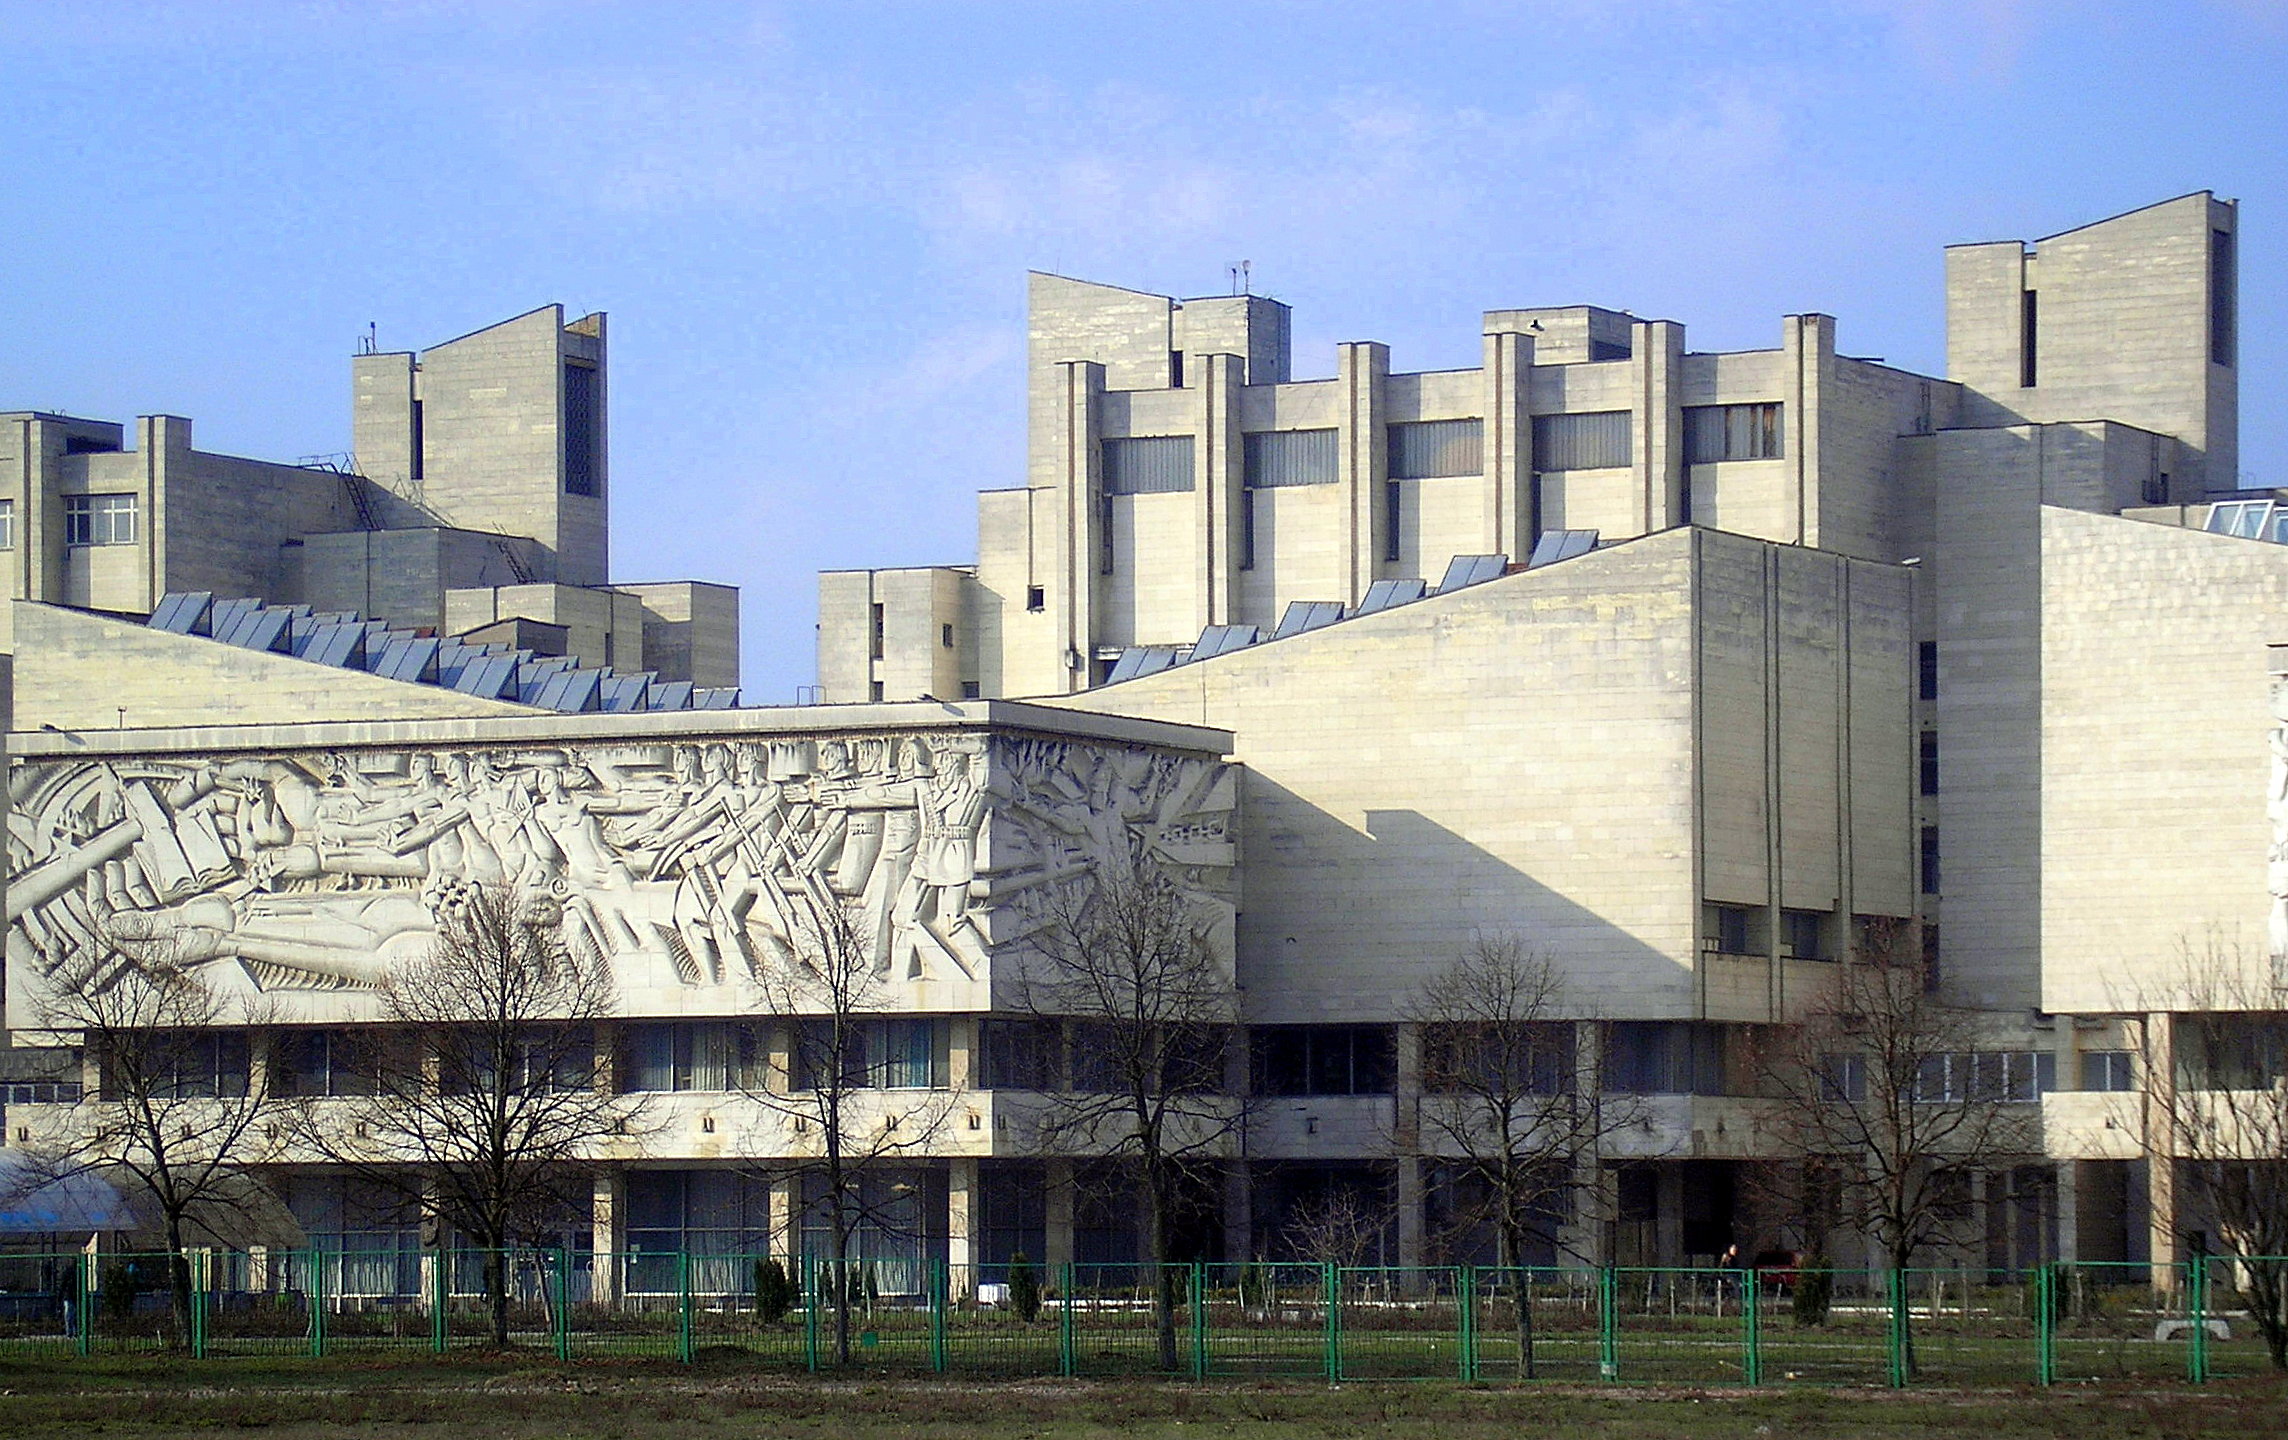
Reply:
x=486, y=1105
x=1128, y=967
x=839, y=1086
x=2216, y=1095
x=1886, y=1097
x=1343, y=1225
x=1503, y=1102
x=178, y=1110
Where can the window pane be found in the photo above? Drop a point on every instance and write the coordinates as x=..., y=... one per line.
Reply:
x=1148, y=465
x=1290, y=457
x=583, y=412
x=1731, y=432
x=1598, y=440
x=1429, y=448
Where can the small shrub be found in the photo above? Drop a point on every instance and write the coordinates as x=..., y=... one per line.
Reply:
x=775, y=1294
x=121, y=1284
x=1024, y=1288
x=1814, y=1291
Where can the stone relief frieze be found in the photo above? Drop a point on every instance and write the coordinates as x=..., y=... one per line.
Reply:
x=674, y=865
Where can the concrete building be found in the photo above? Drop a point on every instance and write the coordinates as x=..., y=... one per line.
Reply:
x=1685, y=670
x=477, y=494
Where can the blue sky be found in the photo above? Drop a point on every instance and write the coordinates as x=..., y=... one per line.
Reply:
x=811, y=223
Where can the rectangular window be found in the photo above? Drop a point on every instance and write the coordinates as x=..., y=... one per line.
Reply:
x=1427, y=449
x=877, y=631
x=1323, y=1059
x=1247, y=529
x=1036, y=599
x=2224, y=287
x=1664, y=1057
x=99, y=519
x=414, y=466
x=1275, y=458
x=1732, y=929
x=583, y=430
x=1176, y=371
x=2008, y=1077
x=1714, y=433
x=904, y=1055
x=1016, y=1054
x=2107, y=1070
x=1106, y=550
x=970, y=690
x=1596, y=440
x=7, y=524
x=1926, y=656
x=1930, y=859
x=945, y=636
x=1487, y=1058
x=1148, y=465
x=874, y=690
x=689, y=1056
x=1842, y=1078
x=2029, y=334
x=318, y=1062
x=1804, y=933
x=1930, y=762
x=1393, y=510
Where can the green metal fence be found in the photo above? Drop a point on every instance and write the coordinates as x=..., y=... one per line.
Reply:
x=2061, y=1324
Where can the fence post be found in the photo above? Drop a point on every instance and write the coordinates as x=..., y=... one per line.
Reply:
x=83, y=1281
x=1068, y=1359
x=1752, y=1326
x=440, y=1289
x=2197, y=1353
x=683, y=1306
x=1331, y=1290
x=2045, y=1325
x=315, y=1298
x=1199, y=1294
x=1608, y=1339
x=193, y=1261
x=810, y=1299
x=560, y=1318
x=1898, y=1328
x=939, y=1285
x=1466, y=1316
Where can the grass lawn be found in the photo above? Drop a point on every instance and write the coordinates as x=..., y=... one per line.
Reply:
x=523, y=1397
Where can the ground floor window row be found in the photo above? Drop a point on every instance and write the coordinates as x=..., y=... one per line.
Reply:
x=653, y=1230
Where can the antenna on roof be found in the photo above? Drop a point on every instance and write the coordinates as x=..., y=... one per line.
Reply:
x=1242, y=280
x=370, y=342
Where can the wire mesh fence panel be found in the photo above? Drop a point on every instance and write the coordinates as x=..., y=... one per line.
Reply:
x=366, y=1300
x=874, y=1316
x=1675, y=1326
x=256, y=1302
x=2234, y=1346
x=1004, y=1320
x=132, y=1304
x=496, y=1298
x=634, y=1305
x=1263, y=1319
x=1822, y=1327
x=1115, y=1318
x=1402, y=1324
x=1968, y=1327
x=41, y=1307
x=1535, y=1324
x=2119, y=1321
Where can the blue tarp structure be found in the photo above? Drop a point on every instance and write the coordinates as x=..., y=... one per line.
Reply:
x=38, y=1200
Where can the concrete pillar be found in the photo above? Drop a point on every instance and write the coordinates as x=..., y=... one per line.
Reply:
x=1362, y=373
x=1668, y=1214
x=1238, y=1212
x=2069, y=1211
x=1406, y=1141
x=1072, y=599
x=962, y=1217
x=1507, y=437
x=786, y=1225
x=1057, y=1195
x=1217, y=483
x=1656, y=370
x=2161, y=1143
x=608, y=1219
x=1808, y=349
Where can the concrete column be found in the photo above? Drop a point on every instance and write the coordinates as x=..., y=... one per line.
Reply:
x=1406, y=1141
x=2069, y=1211
x=1057, y=1195
x=1362, y=371
x=608, y=1217
x=1507, y=438
x=786, y=1225
x=1668, y=1214
x=1656, y=369
x=1072, y=600
x=1808, y=347
x=1218, y=479
x=961, y=1226
x=2161, y=1141
x=1238, y=1212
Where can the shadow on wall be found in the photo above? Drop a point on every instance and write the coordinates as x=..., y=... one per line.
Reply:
x=1340, y=925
